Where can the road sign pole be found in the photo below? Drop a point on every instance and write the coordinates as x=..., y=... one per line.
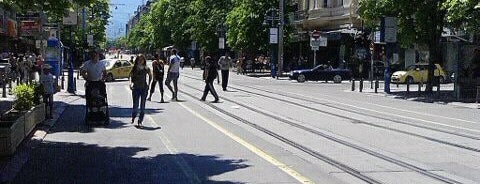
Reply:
x=314, y=58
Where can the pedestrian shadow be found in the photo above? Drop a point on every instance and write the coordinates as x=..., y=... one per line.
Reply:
x=73, y=120
x=123, y=112
x=92, y=163
x=179, y=101
x=147, y=128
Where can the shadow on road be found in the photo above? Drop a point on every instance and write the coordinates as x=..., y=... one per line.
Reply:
x=73, y=119
x=444, y=97
x=59, y=162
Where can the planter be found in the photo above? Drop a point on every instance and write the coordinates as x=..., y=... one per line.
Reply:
x=33, y=117
x=15, y=126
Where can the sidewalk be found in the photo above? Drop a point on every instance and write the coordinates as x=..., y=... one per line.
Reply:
x=11, y=165
x=444, y=96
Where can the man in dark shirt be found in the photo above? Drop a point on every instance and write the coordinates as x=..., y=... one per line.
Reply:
x=158, y=73
x=209, y=75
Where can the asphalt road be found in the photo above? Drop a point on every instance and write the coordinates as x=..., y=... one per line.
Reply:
x=262, y=131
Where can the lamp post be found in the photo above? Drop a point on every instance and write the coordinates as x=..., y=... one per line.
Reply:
x=221, y=32
x=273, y=20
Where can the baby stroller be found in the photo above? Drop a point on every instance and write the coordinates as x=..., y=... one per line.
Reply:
x=96, y=103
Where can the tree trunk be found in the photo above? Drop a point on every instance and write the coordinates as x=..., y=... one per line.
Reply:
x=432, y=47
x=433, y=43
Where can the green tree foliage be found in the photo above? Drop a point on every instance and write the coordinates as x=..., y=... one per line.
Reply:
x=205, y=16
x=246, y=32
x=140, y=37
x=422, y=21
x=179, y=22
x=53, y=8
x=176, y=14
x=161, y=32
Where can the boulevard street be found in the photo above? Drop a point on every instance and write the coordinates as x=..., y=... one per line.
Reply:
x=263, y=131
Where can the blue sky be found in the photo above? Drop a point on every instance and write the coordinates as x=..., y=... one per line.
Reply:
x=120, y=15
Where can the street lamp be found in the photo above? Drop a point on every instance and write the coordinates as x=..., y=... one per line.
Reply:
x=221, y=33
x=273, y=19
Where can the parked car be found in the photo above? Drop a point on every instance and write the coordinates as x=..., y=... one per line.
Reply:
x=418, y=73
x=117, y=68
x=321, y=73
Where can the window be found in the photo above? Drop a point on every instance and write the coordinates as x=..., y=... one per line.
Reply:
x=315, y=4
x=126, y=63
x=118, y=64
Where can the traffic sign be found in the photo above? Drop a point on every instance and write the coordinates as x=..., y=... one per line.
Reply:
x=315, y=48
x=390, y=30
x=273, y=35
x=316, y=34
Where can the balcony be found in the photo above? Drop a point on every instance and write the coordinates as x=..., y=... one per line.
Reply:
x=299, y=16
x=329, y=13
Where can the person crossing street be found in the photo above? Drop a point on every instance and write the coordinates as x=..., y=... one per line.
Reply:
x=158, y=73
x=173, y=74
x=209, y=75
x=224, y=62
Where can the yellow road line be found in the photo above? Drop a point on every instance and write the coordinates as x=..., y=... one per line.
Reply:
x=252, y=148
x=299, y=177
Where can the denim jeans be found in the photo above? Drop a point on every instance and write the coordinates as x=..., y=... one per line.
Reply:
x=139, y=94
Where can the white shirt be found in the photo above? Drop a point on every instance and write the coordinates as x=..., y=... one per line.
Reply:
x=224, y=63
x=48, y=82
x=174, y=64
x=94, y=70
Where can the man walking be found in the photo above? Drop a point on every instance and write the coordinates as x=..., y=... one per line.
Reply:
x=173, y=74
x=209, y=75
x=224, y=62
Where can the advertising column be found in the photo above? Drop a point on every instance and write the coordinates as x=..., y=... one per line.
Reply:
x=53, y=56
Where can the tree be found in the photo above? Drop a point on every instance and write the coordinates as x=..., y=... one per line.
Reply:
x=422, y=21
x=161, y=32
x=205, y=16
x=175, y=16
x=246, y=32
x=53, y=8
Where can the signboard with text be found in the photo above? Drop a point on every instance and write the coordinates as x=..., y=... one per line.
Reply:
x=273, y=35
x=70, y=18
x=390, y=30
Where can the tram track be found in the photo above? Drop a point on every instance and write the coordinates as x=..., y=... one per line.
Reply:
x=314, y=153
x=359, y=121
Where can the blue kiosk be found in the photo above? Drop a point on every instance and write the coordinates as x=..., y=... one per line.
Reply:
x=54, y=56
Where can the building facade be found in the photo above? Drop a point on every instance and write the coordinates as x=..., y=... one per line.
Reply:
x=337, y=20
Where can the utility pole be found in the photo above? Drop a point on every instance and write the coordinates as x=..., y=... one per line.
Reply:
x=280, y=38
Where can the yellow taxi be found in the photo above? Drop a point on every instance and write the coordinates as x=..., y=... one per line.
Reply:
x=418, y=73
x=117, y=68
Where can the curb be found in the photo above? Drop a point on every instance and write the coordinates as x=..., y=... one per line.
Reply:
x=21, y=156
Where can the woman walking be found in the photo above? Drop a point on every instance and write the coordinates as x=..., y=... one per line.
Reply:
x=158, y=73
x=209, y=75
x=139, y=86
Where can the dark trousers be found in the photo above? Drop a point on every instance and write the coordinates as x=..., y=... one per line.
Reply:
x=48, y=100
x=209, y=88
x=160, y=84
x=225, y=79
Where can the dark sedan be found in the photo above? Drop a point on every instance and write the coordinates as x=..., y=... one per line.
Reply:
x=321, y=73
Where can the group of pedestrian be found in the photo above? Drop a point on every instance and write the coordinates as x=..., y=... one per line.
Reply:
x=140, y=86
x=143, y=80
x=24, y=68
